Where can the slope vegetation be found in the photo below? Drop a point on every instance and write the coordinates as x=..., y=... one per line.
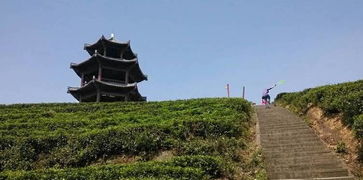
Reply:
x=344, y=100
x=202, y=139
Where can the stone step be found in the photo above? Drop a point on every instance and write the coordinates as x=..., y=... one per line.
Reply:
x=282, y=136
x=284, y=128
x=336, y=178
x=283, y=142
x=297, y=129
x=310, y=174
x=269, y=130
x=289, y=143
x=301, y=160
x=269, y=138
x=283, y=149
x=332, y=167
x=304, y=166
x=286, y=132
x=291, y=150
x=296, y=165
x=282, y=123
x=278, y=154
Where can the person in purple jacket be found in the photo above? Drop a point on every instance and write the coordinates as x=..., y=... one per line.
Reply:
x=266, y=97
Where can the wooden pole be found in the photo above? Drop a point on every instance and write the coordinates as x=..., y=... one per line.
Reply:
x=243, y=92
x=227, y=90
x=98, y=98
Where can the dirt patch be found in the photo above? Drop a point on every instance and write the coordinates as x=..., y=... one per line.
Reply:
x=118, y=159
x=333, y=133
x=122, y=159
x=164, y=156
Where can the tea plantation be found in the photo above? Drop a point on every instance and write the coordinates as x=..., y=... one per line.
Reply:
x=344, y=98
x=83, y=141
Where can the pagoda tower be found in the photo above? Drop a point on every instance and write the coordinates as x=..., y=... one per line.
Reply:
x=110, y=74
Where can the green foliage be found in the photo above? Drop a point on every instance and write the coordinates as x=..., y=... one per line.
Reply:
x=56, y=141
x=345, y=98
x=341, y=148
x=358, y=125
x=213, y=166
x=223, y=146
x=183, y=167
x=261, y=175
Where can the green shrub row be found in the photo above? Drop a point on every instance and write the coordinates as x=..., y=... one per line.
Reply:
x=183, y=167
x=81, y=150
x=40, y=119
x=222, y=146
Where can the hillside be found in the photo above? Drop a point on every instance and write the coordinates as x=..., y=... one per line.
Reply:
x=342, y=102
x=188, y=139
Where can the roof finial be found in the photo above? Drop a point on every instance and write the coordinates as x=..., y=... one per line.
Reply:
x=112, y=35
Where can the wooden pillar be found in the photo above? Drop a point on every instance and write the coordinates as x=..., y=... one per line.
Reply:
x=104, y=50
x=98, y=95
x=121, y=53
x=80, y=98
x=127, y=77
x=82, y=80
x=99, y=72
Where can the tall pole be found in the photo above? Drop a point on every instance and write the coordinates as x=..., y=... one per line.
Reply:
x=243, y=92
x=227, y=90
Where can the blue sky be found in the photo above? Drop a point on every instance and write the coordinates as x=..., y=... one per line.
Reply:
x=188, y=49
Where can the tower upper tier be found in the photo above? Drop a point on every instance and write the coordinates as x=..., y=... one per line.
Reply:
x=113, y=68
x=111, y=48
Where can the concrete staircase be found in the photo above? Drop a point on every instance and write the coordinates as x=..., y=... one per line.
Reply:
x=292, y=150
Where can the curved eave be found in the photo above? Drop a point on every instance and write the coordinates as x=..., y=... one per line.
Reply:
x=115, y=85
x=122, y=64
x=90, y=48
x=103, y=86
x=138, y=74
x=97, y=59
x=106, y=87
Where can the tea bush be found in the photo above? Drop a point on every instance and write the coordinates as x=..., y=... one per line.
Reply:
x=62, y=140
x=197, y=167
